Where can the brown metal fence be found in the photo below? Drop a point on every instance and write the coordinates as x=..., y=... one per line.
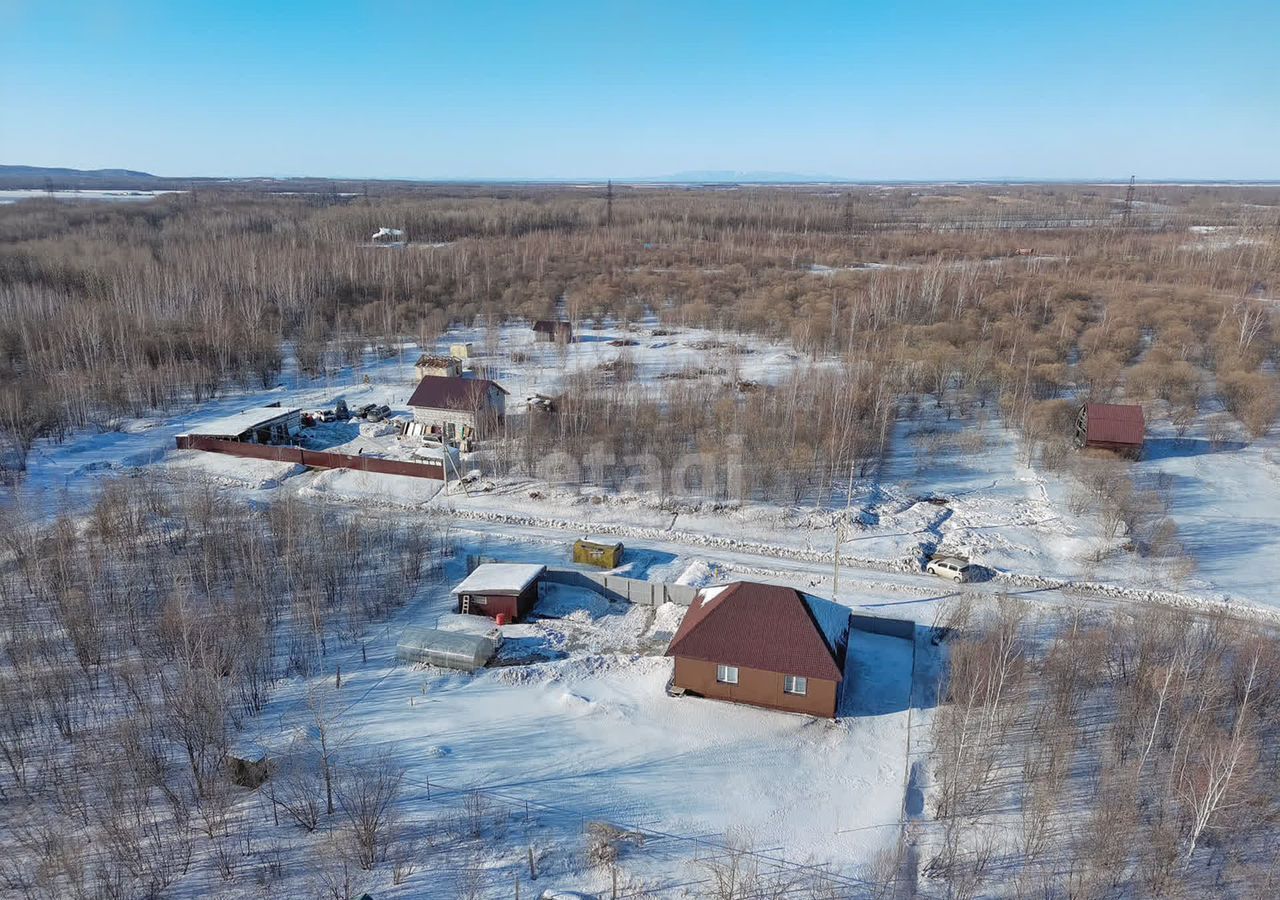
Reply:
x=315, y=459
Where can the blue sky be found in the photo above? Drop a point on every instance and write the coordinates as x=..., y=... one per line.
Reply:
x=609, y=89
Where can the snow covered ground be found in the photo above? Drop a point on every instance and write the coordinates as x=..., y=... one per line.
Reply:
x=1226, y=501
x=1010, y=516
x=13, y=196
x=574, y=720
x=573, y=724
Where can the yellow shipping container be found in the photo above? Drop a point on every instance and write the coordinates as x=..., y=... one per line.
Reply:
x=590, y=552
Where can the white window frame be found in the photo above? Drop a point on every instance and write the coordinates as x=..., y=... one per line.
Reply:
x=795, y=684
x=726, y=674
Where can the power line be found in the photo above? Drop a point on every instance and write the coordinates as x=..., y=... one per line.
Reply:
x=1127, y=218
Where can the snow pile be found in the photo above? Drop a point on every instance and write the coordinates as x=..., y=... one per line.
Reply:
x=233, y=471
x=666, y=621
x=376, y=429
x=571, y=668
x=699, y=574
x=584, y=620
x=560, y=601
x=389, y=490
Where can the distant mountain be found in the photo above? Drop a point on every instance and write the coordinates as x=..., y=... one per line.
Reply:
x=53, y=172
x=40, y=177
x=727, y=176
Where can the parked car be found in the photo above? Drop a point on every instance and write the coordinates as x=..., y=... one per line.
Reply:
x=363, y=411
x=952, y=567
x=327, y=416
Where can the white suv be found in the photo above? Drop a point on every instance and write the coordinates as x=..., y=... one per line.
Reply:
x=949, y=567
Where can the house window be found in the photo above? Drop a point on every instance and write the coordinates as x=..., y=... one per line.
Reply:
x=794, y=684
x=727, y=674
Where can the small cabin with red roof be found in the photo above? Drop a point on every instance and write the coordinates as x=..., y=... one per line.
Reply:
x=1118, y=427
x=764, y=645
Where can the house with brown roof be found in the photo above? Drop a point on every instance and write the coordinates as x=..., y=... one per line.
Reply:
x=1118, y=427
x=552, y=331
x=763, y=645
x=458, y=409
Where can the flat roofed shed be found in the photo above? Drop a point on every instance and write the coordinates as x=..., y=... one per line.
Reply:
x=233, y=426
x=500, y=578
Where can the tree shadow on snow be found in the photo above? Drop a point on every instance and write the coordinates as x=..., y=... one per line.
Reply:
x=1175, y=448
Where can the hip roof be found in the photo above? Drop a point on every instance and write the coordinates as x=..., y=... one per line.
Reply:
x=756, y=626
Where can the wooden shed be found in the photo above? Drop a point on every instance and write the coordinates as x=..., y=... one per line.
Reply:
x=448, y=366
x=493, y=589
x=1118, y=427
x=600, y=552
x=550, y=331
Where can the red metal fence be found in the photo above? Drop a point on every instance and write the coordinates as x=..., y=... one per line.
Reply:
x=315, y=459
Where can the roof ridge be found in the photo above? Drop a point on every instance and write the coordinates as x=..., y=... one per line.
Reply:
x=817, y=626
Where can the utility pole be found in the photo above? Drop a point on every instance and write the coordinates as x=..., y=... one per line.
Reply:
x=835, y=560
x=608, y=205
x=1127, y=218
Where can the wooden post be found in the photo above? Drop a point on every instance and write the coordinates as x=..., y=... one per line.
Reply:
x=614, y=870
x=517, y=886
x=533, y=871
x=835, y=566
x=337, y=677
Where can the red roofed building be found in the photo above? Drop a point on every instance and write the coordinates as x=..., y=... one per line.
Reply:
x=459, y=409
x=759, y=644
x=1120, y=428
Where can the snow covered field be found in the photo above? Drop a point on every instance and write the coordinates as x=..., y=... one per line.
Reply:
x=573, y=725
x=13, y=196
x=1012, y=517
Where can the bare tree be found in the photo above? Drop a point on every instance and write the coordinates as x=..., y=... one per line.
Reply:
x=367, y=793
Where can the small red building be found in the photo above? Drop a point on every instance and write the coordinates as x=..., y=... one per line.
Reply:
x=494, y=589
x=1118, y=427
